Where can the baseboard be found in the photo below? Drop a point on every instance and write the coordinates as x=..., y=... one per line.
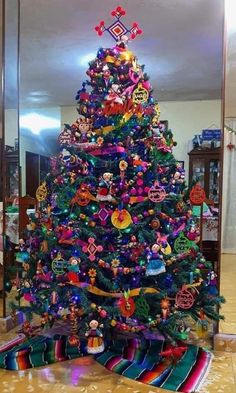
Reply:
x=225, y=342
x=10, y=322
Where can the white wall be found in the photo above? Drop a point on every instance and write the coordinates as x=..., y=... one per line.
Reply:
x=186, y=118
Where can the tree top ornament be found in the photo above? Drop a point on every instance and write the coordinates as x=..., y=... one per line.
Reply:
x=117, y=29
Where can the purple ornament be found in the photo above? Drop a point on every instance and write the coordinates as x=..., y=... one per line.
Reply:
x=125, y=198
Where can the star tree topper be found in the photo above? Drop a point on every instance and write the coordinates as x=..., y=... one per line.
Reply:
x=117, y=29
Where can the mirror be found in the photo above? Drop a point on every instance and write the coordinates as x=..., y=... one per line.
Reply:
x=10, y=149
x=1, y=176
x=182, y=51
x=228, y=267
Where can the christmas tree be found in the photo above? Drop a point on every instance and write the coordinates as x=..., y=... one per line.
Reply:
x=113, y=241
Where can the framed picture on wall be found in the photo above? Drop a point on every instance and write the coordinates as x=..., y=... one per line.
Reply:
x=180, y=163
x=164, y=124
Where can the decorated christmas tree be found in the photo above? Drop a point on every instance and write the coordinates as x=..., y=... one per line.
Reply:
x=114, y=241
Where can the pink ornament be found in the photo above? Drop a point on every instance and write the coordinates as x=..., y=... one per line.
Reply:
x=139, y=182
x=103, y=214
x=125, y=198
x=133, y=191
x=92, y=249
x=156, y=193
x=103, y=313
x=146, y=85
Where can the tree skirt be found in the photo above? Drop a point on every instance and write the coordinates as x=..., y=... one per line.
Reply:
x=40, y=351
x=140, y=360
x=133, y=358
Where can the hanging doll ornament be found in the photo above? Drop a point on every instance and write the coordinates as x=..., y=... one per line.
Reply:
x=104, y=190
x=22, y=254
x=156, y=193
x=182, y=244
x=155, y=261
x=114, y=95
x=212, y=283
x=58, y=264
x=26, y=290
x=121, y=218
x=41, y=192
x=82, y=129
x=106, y=73
x=95, y=338
x=197, y=195
x=73, y=273
x=126, y=305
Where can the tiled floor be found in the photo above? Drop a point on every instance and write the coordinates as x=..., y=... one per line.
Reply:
x=85, y=375
x=228, y=290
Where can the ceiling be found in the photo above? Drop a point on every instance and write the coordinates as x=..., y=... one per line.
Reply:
x=181, y=47
x=230, y=80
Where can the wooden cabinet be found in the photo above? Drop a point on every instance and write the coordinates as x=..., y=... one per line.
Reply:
x=204, y=167
x=37, y=166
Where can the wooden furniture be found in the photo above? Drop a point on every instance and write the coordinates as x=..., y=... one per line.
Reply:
x=37, y=166
x=204, y=168
x=25, y=203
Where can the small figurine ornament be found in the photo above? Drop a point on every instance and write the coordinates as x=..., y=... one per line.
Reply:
x=155, y=262
x=95, y=338
x=104, y=190
x=22, y=254
x=26, y=290
x=73, y=273
x=212, y=283
x=193, y=234
x=106, y=73
x=82, y=129
x=114, y=94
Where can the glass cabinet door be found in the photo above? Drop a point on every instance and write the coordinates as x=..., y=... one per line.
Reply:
x=214, y=180
x=199, y=171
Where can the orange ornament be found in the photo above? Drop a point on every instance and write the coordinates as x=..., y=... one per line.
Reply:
x=92, y=275
x=74, y=341
x=197, y=195
x=83, y=196
x=126, y=305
